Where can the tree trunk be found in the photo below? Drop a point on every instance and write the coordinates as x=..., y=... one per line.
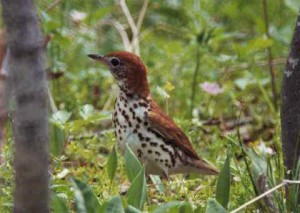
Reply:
x=26, y=70
x=290, y=103
x=3, y=91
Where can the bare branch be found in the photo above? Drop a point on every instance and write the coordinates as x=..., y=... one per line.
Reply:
x=142, y=15
x=135, y=39
x=51, y=6
x=284, y=182
x=128, y=16
x=274, y=62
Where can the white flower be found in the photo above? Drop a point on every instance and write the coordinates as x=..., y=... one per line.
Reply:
x=265, y=150
x=77, y=15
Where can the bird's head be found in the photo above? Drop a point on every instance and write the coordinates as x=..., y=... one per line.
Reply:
x=128, y=69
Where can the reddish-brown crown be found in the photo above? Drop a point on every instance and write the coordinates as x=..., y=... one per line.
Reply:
x=135, y=72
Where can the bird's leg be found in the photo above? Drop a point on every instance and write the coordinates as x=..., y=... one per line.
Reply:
x=164, y=176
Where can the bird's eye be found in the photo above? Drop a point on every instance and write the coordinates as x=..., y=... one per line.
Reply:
x=115, y=62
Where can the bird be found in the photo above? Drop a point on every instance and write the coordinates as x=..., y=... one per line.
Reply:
x=159, y=144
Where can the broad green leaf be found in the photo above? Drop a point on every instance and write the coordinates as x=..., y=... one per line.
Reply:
x=214, y=207
x=131, y=209
x=132, y=164
x=186, y=207
x=293, y=5
x=137, y=193
x=57, y=136
x=112, y=164
x=259, y=162
x=259, y=43
x=58, y=204
x=242, y=83
x=158, y=183
x=199, y=209
x=114, y=206
x=223, y=185
x=85, y=199
x=224, y=58
x=49, y=24
x=86, y=111
x=168, y=207
x=61, y=116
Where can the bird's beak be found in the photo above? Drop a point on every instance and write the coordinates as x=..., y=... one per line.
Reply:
x=100, y=58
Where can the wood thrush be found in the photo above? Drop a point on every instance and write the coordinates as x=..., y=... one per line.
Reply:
x=139, y=122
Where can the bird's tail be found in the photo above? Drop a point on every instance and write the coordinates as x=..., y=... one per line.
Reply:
x=203, y=167
x=197, y=166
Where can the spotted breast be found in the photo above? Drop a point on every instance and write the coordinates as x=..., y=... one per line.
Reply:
x=133, y=128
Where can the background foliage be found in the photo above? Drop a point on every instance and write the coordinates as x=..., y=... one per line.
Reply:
x=186, y=46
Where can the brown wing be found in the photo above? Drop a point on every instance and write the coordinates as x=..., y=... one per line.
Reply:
x=165, y=126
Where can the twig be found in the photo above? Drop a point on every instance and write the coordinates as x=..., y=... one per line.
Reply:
x=135, y=28
x=269, y=52
x=128, y=15
x=135, y=39
x=268, y=200
x=142, y=15
x=51, y=6
x=284, y=182
x=274, y=62
x=51, y=100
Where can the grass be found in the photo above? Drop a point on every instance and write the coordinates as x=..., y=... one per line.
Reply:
x=86, y=160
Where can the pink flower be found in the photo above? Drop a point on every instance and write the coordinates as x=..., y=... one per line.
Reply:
x=211, y=88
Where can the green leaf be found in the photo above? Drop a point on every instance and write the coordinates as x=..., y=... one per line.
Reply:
x=49, y=24
x=223, y=185
x=259, y=162
x=132, y=164
x=186, y=208
x=87, y=111
x=58, y=204
x=61, y=116
x=167, y=207
x=214, y=207
x=114, y=205
x=293, y=5
x=131, y=209
x=158, y=183
x=137, y=193
x=57, y=139
x=199, y=209
x=259, y=43
x=85, y=199
x=112, y=164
